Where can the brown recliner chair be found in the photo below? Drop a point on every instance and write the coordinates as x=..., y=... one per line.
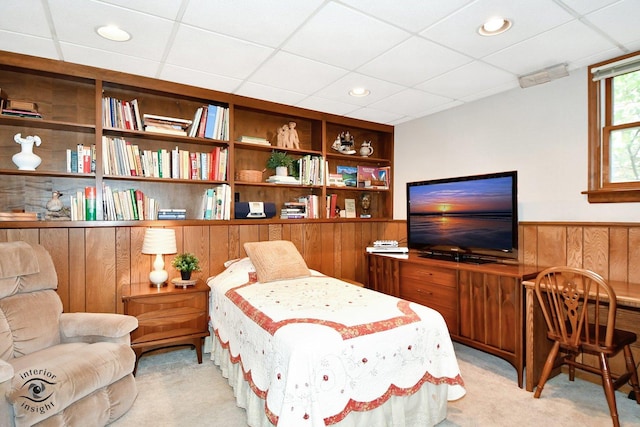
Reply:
x=57, y=369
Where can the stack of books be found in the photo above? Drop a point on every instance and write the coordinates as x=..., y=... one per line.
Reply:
x=294, y=210
x=18, y=216
x=254, y=140
x=20, y=108
x=279, y=179
x=163, y=124
x=172, y=214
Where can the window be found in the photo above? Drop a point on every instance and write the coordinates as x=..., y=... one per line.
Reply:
x=614, y=130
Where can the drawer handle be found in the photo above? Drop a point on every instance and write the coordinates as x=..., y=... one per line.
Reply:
x=421, y=291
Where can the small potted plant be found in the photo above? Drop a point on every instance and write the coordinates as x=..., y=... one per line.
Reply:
x=186, y=263
x=280, y=162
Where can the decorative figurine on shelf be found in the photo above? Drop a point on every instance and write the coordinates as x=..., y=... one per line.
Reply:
x=26, y=160
x=56, y=210
x=365, y=205
x=283, y=136
x=344, y=143
x=366, y=149
x=294, y=141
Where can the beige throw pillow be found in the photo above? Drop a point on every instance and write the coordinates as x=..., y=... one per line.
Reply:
x=276, y=260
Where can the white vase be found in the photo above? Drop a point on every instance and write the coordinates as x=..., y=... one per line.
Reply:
x=26, y=160
x=282, y=171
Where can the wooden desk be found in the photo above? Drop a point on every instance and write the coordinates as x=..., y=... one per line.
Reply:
x=537, y=345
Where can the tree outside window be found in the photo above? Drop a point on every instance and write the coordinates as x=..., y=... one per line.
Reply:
x=614, y=130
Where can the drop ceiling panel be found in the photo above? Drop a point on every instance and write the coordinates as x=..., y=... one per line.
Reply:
x=340, y=36
x=620, y=21
x=15, y=14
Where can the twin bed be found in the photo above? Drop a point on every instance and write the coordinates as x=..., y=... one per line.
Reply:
x=303, y=349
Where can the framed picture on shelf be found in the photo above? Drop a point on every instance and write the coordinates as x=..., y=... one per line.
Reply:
x=350, y=208
x=349, y=175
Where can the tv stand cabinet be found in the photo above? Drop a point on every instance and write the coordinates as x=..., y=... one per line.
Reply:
x=482, y=304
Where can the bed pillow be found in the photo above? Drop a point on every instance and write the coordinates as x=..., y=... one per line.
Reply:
x=276, y=260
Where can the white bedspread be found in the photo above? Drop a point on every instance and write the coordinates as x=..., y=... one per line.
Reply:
x=318, y=348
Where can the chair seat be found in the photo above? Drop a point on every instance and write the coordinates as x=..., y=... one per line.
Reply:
x=67, y=372
x=621, y=338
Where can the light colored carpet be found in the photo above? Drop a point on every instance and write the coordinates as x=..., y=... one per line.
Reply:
x=173, y=390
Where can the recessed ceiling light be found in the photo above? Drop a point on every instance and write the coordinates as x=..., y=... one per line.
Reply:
x=494, y=26
x=359, y=92
x=111, y=32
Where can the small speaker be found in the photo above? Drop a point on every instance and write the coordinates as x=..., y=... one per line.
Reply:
x=254, y=210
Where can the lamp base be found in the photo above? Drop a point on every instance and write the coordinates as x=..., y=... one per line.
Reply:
x=158, y=285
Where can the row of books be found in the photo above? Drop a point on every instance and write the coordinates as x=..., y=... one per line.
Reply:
x=312, y=170
x=83, y=205
x=122, y=158
x=120, y=114
x=335, y=211
x=210, y=121
x=82, y=159
x=303, y=207
x=127, y=205
x=216, y=202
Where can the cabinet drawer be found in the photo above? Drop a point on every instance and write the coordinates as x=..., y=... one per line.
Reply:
x=139, y=306
x=422, y=274
x=429, y=294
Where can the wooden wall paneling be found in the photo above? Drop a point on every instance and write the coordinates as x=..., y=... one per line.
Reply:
x=139, y=264
x=552, y=245
x=249, y=233
x=124, y=269
x=575, y=246
x=596, y=250
x=235, y=248
x=528, y=245
x=634, y=254
x=368, y=233
x=77, y=268
x=29, y=235
x=337, y=250
x=100, y=275
x=219, y=253
x=297, y=235
x=618, y=253
x=312, y=250
x=195, y=241
x=327, y=251
x=275, y=231
x=349, y=251
x=56, y=241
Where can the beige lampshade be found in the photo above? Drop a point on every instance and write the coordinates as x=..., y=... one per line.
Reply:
x=159, y=241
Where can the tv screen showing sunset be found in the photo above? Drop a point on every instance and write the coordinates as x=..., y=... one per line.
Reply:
x=476, y=213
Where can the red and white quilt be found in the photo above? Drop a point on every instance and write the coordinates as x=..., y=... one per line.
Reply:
x=318, y=348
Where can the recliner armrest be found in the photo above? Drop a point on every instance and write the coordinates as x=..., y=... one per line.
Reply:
x=6, y=371
x=95, y=327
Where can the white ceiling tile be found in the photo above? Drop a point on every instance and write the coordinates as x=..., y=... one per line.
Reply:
x=586, y=6
x=24, y=16
x=21, y=43
x=619, y=20
x=269, y=93
x=163, y=8
x=467, y=80
x=412, y=15
x=210, y=52
x=377, y=116
x=268, y=23
x=563, y=44
x=339, y=90
x=149, y=34
x=413, y=61
x=410, y=102
x=459, y=31
x=343, y=37
x=176, y=73
x=326, y=105
x=491, y=91
x=113, y=61
x=287, y=71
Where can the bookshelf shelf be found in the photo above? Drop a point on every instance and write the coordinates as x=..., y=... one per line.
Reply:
x=71, y=99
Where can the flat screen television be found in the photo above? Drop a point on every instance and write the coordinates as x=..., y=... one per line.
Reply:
x=464, y=219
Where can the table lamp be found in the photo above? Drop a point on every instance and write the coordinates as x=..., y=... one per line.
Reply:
x=159, y=241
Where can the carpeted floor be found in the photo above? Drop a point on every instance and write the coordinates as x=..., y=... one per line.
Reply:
x=173, y=390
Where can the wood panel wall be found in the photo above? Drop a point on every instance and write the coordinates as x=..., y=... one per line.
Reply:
x=93, y=263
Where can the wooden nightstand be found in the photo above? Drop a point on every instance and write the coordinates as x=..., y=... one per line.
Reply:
x=167, y=316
